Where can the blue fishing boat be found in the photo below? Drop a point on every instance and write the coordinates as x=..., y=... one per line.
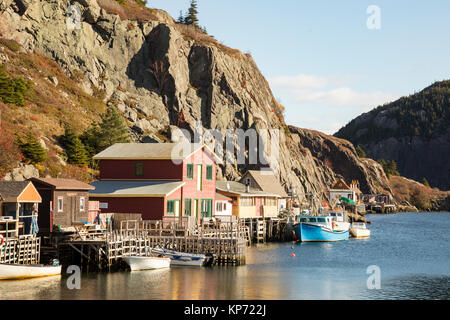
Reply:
x=321, y=228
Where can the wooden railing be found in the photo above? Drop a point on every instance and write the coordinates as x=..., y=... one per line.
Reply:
x=22, y=250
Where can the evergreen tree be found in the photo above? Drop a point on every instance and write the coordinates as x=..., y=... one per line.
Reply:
x=191, y=18
x=360, y=152
x=389, y=167
x=181, y=18
x=31, y=149
x=12, y=90
x=425, y=182
x=75, y=150
x=110, y=130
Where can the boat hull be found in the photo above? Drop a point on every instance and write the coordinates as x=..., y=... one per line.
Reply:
x=360, y=233
x=147, y=263
x=181, y=258
x=20, y=271
x=315, y=233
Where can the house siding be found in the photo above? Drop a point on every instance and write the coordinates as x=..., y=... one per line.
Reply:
x=153, y=208
x=149, y=208
x=153, y=170
x=189, y=190
x=71, y=207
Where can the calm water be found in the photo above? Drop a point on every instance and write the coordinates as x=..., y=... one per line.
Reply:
x=412, y=251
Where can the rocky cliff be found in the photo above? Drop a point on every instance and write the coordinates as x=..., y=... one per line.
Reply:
x=414, y=131
x=163, y=76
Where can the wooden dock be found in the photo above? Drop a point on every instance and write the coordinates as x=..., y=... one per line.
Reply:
x=227, y=242
x=23, y=249
x=268, y=229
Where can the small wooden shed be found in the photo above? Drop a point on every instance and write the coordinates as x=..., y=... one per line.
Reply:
x=65, y=202
x=18, y=207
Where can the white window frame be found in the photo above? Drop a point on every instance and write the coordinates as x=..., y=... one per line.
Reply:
x=61, y=208
x=82, y=201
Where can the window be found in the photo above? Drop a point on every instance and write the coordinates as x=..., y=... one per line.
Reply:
x=82, y=204
x=248, y=182
x=190, y=171
x=60, y=204
x=209, y=172
x=321, y=219
x=246, y=202
x=312, y=219
x=187, y=207
x=219, y=206
x=170, y=206
x=199, y=176
x=270, y=202
x=139, y=169
x=207, y=206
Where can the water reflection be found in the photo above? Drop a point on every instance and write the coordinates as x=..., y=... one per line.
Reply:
x=30, y=289
x=318, y=270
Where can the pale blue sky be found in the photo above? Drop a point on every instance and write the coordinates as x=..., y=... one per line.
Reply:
x=322, y=61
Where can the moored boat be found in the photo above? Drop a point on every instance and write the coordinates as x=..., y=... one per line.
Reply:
x=22, y=271
x=182, y=258
x=137, y=263
x=359, y=230
x=321, y=228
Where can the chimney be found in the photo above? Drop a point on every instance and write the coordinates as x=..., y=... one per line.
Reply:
x=228, y=186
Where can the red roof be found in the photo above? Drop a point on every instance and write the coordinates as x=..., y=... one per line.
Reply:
x=64, y=184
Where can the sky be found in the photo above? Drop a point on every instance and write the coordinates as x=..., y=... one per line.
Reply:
x=329, y=61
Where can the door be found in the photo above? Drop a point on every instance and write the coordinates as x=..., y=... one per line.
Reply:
x=196, y=208
x=177, y=208
x=73, y=209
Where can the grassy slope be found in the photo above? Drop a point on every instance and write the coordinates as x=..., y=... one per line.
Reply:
x=46, y=110
x=415, y=193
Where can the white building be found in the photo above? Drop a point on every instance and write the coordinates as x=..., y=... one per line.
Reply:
x=342, y=189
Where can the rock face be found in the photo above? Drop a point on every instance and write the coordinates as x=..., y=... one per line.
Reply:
x=336, y=158
x=161, y=77
x=22, y=173
x=414, y=131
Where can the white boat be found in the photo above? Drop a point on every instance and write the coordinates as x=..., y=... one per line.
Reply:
x=23, y=271
x=182, y=258
x=137, y=263
x=359, y=230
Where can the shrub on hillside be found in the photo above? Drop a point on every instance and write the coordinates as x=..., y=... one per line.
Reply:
x=74, y=148
x=110, y=130
x=12, y=90
x=31, y=149
x=389, y=167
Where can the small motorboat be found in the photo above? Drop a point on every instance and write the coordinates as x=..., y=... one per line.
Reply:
x=138, y=263
x=359, y=230
x=182, y=258
x=23, y=271
x=321, y=228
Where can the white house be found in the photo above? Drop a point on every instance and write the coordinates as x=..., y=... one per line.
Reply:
x=223, y=206
x=342, y=189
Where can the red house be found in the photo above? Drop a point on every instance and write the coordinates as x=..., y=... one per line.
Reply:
x=156, y=180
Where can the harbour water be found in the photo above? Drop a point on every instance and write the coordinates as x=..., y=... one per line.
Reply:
x=412, y=251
